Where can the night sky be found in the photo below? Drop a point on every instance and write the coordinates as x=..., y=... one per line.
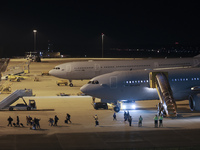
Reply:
x=75, y=27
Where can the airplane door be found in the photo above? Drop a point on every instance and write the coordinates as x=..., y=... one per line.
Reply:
x=68, y=68
x=113, y=82
x=97, y=69
x=156, y=65
x=196, y=62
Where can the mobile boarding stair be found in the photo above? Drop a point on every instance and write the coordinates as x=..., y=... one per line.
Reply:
x=6, y=102
x=167, y=105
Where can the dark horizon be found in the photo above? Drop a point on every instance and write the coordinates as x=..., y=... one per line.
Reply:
x=75, y=27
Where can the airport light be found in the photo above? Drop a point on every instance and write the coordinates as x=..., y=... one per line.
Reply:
x=102, y=35
x=34, y=32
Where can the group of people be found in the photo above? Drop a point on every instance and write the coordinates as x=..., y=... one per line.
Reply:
x=17, y=124
x=35, y=123
x=160, y=119
x=54, y=122
x=127, y=117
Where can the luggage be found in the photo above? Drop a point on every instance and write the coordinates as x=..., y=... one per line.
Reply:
x=66, y=121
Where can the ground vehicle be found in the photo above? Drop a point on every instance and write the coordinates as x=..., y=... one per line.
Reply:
x=98, y=105
x=63, y=94
x=24, y=106
x=62, y=82
x=45, y=73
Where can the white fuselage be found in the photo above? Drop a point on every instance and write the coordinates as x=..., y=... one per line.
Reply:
x=89, y=69
x=134, y=85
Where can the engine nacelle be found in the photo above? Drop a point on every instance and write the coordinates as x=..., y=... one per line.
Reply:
x=194, y=102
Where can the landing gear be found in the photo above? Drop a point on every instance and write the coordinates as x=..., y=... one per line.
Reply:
x=71, y=84
x=116, y=109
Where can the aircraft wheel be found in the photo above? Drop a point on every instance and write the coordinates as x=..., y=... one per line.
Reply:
x=28, y=108
x=71, y=85
x=116, y=109
x=58, y=84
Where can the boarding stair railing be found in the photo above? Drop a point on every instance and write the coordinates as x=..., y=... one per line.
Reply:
x=167, y=102
x=6, y=102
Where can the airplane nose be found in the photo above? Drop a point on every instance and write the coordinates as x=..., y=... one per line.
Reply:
x=84, y=89
x=51, y=72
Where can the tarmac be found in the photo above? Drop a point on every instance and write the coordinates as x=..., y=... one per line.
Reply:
x=181, y=132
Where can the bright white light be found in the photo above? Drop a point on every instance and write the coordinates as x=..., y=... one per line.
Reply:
x=34, y=30
x=123, y=106
x=133, y=106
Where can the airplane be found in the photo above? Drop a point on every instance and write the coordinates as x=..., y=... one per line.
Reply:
x=168, y=85
x=82, y=70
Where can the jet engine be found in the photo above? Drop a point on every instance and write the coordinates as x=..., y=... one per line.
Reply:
x=194, y=102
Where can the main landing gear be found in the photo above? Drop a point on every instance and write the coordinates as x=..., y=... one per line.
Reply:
x=116, y=109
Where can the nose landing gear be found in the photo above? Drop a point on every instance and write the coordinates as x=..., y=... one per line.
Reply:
x=71, y=84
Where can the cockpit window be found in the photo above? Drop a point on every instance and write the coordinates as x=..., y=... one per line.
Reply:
x=93, y=82
x=57, y=68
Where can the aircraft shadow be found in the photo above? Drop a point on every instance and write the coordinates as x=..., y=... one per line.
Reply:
x=181, y=116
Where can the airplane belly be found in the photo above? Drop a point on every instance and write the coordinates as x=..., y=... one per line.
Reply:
x=138, y=93
x=81, y=75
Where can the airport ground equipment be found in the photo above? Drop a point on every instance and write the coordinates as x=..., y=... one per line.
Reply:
x=63, y=94
x=6, y=102
x=4, y=63
x=24, y=106
x=16, y=70
x=5, y=88
x=36, y=79
x=45, y=73
x=62, y=82
x=98, y=105
x=167, y=105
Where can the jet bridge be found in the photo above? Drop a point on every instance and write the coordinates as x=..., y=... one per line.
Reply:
x=159, y=80
x=6, y=102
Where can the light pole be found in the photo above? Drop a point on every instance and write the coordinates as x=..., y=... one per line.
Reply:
x=102, y=35
x=34, y=32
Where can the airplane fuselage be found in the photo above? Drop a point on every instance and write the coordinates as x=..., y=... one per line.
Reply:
x=135, y=85
x=87, y=70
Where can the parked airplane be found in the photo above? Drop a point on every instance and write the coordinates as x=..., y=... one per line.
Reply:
x=88, y=69
x=166, y=85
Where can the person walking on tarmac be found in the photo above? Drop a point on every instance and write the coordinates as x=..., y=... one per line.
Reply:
x=114, y=116
x=130, y=120
x=10, y=121
x=156, y=121
x=140, y=121
x=17, y=120
x=160, y=121
x=56, y=120
x=96, y=120
x=68, y=118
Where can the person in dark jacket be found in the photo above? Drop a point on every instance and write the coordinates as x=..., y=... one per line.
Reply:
x=56, y=120
x=17, y=120
x=130, y=120
x=10, y=121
